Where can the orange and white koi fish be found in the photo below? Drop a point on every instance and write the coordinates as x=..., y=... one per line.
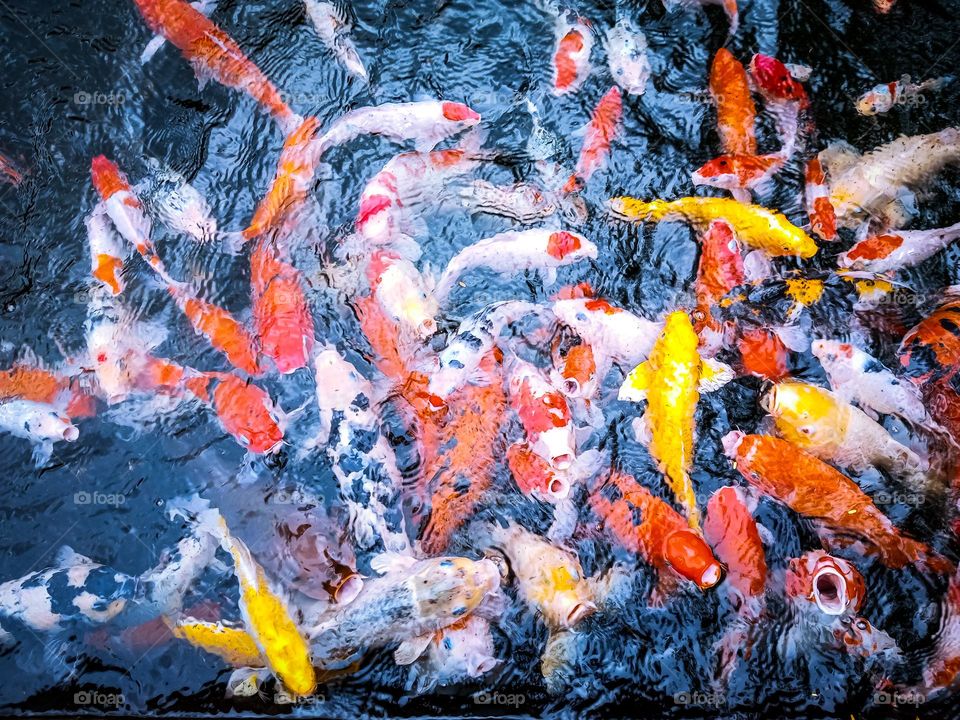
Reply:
x=507, y=253
x=334, y=31
x=626, y=49
x=882, y=98
x=212, y=53
x=281, y=314
x=9, y=172
x=899, y=250
x=292, y=181
x=400, y=290
x=71, y=394
x=670, y=380
x=729, y=7
x=124, y=208
x=824, y=425
x=535, y=475
x=732, y=533
x=426, y=123
x=571, y=58
x=878, y=186
x=736, y=113
x=784, y=98
x=823, y=219
x=574, y=370
x=719, y=270
x=598, y=136
x=646, y=525
x=815, y=490
x=107, y=253
x=857, y=377
x=739, y=173
x=544, y=414
x=246, y=412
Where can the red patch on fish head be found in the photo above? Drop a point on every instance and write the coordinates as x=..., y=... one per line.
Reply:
x=774, y=78
x=107, y=178
x=446, y=158
x=692, y=558
x=874, y=248
x=371, y=206
x=720, y=168
x=560, y=244
x=600, y=305
x=458, y=112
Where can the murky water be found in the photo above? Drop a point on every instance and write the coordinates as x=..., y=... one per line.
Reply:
x=74, y=87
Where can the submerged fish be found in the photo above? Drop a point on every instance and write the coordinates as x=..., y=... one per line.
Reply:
x=598, y=136
x=40, y=423
x=571, y=58
x=882, y=98
x=626, y=49
x=736, y=112
x=334, y=32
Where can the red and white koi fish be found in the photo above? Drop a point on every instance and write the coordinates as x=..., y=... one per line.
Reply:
x=845, y=515
x=544, y=414
x=719, y=270
x=898, y=250
x=599, y=135
x=511, y=252
x=281, y=314
x=882, y=98
x=784, y=98
x=857, y=377
x=212, y=53
x=426, y=123
x=732, y=533
x=571, y=58
x=823, y=218
x=646, y=525
x=729, y=7
x=739, y=173
x=107, y=253
x=334, y=31
x=626, y=49
x=402, y=293
x=536, y=476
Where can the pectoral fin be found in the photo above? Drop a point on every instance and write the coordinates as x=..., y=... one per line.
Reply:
x=634, y=388
x=411, y=649
x=714, y=375
x=151, y=49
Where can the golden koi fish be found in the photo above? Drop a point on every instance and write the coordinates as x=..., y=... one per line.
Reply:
x=234, y=645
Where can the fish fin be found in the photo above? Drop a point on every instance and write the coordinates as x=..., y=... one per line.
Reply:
x=714, y=374
x=634, y=387
x=793, y=336
x=385, y=563
x=42, y=452
x=67, y=557
x=245, y=682
x=151, y=49
x=742, y=195
x=411, y=649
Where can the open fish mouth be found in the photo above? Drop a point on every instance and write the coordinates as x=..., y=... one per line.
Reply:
x=830, y=591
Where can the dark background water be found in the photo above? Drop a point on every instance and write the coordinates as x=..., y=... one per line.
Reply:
x=492, y=55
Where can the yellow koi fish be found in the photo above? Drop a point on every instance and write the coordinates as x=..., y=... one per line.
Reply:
x=670, y=380
x=268, y=621
x=754, y=225
x=234, y=645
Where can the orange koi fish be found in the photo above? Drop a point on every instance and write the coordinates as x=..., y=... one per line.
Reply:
x=571, y=59
x=534, y=475
x=736, y=112
x=763, y=354
x=600, y=133
x=646, y=525
x=212, y=53
x=281, y=315
x=814, y=489
x=246, y=412
x=720, y=270
x=36, y=384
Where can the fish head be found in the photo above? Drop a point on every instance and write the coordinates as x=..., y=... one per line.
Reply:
x=579, y=372
x=688, y=554
x=448, y=588
x=731, y=443
x=721, y=172
x=563, y=594
x=832, y=352
x=831, y=584
x=460, y=113
x=47, y=423
x=878, y=100
x=774, y=80
x=859, y=637
x=806, y=415
x=567, y=247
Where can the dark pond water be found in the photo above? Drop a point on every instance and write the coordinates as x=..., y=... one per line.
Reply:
x=73, y=87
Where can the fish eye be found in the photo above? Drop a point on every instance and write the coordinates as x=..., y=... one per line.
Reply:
x=861, y=624
x=723, y=163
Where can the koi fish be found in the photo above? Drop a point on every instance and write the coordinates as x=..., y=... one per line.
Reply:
x=882, y=98
x=784, y=98
x=534, y=475
x=267, y=619
x=246, y=412
x=574, y=370
x=825, y=426
x=212, y=53
x=510, y=252
x=462, y=650
x=753, y=225
x=736, y=113
x=408, y=603
x=426, y=123
x=763, y=354
x=719, y=270
x=670, y=380
x=70, y=394
x=626, y=48
x=879, y=185
x=549, y=579
x=732, y=533
x=107, y=254
x=233, y=645
x=292, y=181
x=943, y=670
x=333, y=31
x=544, y=414
x=739, y=173
x=178, y=205
x=598, y=136
x=931, y=350
x=121, y=204
x=646, y=525
x=883, y=6
x=896, y=251
x=40, y=423
x=571, y=58
x=281, y=314
x=400, y=290
x=524, y=202
x=857, y=377
x=843, y=512
x=823, y=219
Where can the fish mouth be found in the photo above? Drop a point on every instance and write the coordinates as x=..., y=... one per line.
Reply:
x=711, y=576
x=571, y=387
x=559, y=488
x=347, y=589
x=562, y=462
x=830, y=591
x=71, y=433
x=484, y=666
x=580, y=612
